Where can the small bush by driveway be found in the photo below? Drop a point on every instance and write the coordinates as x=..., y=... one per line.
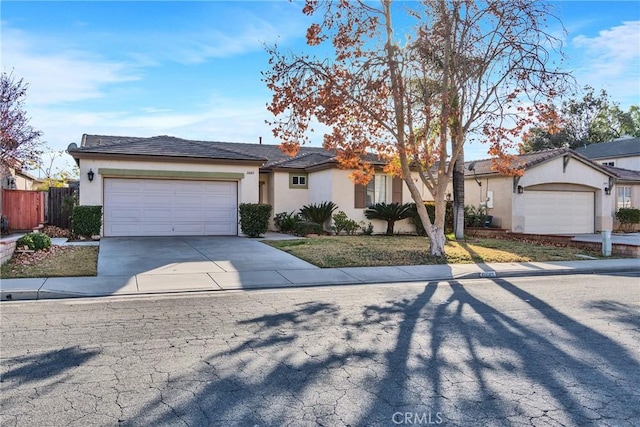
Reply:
x=363, y=251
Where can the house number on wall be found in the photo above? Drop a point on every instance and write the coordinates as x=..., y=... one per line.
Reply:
x=250, y=173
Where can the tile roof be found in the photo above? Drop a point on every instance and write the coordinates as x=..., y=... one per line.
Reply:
x=616, y=148
x=526, y=161
x=166, y=146
x=170, y=146
x=624, y=174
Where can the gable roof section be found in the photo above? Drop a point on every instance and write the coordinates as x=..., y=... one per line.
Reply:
x=529, y=160
x=169, y=146
x=616, y=148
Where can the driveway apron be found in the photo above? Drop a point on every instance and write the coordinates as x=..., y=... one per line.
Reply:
x=129, y=256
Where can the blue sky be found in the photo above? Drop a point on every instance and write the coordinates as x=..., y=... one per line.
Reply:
x=192, y=69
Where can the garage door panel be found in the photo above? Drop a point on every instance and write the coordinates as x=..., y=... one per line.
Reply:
x=144, y=207
x=559, y=212
x=126, y=214
x=157, y=215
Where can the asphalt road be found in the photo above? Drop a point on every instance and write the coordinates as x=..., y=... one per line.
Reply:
x=543, y=351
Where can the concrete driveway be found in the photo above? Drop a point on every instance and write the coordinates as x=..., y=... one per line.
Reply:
x=130, y=256
x=616, y=238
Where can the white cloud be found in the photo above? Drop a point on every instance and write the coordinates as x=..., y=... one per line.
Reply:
x=611, y=60
x=63, y=76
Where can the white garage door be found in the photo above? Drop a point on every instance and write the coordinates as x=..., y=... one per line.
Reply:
x=152, y=207
x=559, y=212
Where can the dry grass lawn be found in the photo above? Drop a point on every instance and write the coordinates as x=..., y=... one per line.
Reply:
x=59, y=261
x=362, y=251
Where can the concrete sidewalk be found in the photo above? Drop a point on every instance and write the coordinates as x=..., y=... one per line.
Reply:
x=158, y=282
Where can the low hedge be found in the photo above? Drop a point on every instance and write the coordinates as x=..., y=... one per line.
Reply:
x=628, y=216
x=86, y=220
x=304, y=228
x=254, y=218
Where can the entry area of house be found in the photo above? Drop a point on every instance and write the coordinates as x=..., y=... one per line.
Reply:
x=163, y=207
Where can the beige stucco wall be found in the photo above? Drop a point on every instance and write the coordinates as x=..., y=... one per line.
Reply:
x=629, y=162
x=335, y=183
x=23, y=183
x=635, y=196
x=285, y=199
x=502, y=187
x=91, y=193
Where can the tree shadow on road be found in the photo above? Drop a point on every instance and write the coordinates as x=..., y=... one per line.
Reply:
x=619, y=312
x=445, y=352
x=38, y=367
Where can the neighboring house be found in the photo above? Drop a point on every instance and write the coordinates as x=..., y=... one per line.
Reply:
x=560, y=192
x=621, y=157
x=12, y=177
x=620, y=153
x=170, y=186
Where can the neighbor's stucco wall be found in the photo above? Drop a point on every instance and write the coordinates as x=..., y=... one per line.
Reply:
x=502, y=187
x=629, y=162
x=635, y=196
x=91, y=193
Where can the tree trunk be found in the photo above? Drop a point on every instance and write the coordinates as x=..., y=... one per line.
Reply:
x=458, y=197
x=390, y=225
x=438, y=240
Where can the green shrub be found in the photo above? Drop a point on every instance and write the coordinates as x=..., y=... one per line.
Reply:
x=390, y=212
x=286, y=222
x=304, y=228
x=86, y=220
x=431, y=210
x=35, y=241
x=628, y=217
x=68, y=203
x=254, y=218
x=318, y=213
x=341, y=222
x=366, y=230
x=475, y=216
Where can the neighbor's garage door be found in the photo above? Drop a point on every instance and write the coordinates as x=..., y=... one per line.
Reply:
x=559, y=212
x=150, y=207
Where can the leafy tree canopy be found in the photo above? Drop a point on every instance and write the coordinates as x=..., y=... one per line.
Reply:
x=18, y=140
x=589, y=119
x=414, y=94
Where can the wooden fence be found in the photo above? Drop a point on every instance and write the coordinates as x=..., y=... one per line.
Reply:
x=24, y=209
x=58, y=213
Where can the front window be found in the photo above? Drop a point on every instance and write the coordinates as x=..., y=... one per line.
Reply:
x=376, y=191
x=624, y=197
x=298, y=180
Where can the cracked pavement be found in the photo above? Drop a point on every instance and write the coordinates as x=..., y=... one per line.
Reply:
x=531, y=351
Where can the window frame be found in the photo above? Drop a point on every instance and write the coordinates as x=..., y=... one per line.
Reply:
x=624, y=200
x=298, y=177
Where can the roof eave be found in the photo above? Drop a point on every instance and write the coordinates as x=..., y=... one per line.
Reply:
x=162, y=158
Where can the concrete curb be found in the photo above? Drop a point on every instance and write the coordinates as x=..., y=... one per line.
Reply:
x=78, y=287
